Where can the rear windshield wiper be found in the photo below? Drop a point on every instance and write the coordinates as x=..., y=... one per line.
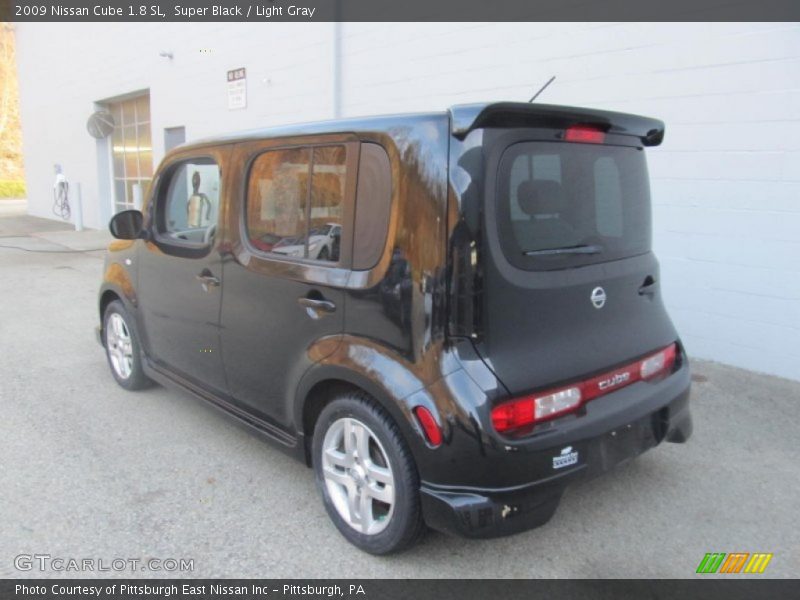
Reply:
x=580, y=249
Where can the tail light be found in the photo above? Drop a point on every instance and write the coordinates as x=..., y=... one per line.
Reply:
x=550, y=404
x=587, y=134
x=657, y=363
x=429, y=426
x=532, y=409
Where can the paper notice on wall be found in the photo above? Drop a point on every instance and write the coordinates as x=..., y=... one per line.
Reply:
x=237, y=89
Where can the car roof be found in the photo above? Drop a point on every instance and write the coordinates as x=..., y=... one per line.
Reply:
x=463, y=119
x=379, y=123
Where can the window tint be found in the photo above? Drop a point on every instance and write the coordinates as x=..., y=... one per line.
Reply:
x=327, y=199
x=608, y=197
x=373, y=204
x=276, y=199
x=556, y=196
x=189, y=209
x=295, y=201
x=540, y=167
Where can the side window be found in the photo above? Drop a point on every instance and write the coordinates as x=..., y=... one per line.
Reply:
x=373, y=206
x=327, y=202
x=295, y=200
x=189, y=208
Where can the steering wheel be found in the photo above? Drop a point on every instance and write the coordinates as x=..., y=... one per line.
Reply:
x=209, y=234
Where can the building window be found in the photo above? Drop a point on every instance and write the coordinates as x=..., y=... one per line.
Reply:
x=132, y=151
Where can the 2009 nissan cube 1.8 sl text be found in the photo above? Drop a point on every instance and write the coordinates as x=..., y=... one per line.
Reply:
x=450, y=316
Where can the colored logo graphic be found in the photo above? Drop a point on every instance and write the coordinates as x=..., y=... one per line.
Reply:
x=567, y=457
x=736, y=562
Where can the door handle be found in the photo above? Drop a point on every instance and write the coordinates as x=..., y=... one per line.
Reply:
x=207, y=279
x=648, y=287
x=316, y=304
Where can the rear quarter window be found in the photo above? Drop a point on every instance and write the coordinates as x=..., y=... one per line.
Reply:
x=373, y=206
x=562, y=204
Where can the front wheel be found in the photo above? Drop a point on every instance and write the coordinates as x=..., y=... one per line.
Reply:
x=122, y=348
x=366, y=475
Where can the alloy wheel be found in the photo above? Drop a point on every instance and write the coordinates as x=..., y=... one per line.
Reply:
x=119, y=345
x=358, y=476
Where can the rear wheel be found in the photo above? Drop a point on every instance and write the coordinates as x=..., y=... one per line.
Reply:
x=122, y=348
x=366, y=475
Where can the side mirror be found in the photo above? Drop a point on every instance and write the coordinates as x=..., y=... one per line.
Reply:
x=126, y=225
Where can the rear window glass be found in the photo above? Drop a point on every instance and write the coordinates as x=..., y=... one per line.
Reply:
x=565, y=204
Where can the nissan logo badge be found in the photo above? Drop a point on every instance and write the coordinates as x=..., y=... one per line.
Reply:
x=598, y=297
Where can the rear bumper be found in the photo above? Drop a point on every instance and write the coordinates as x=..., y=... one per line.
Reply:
x=595, y=447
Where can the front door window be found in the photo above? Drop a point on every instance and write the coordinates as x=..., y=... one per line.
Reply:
x=190, y=206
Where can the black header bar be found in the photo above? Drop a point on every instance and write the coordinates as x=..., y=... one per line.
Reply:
x=397, y=10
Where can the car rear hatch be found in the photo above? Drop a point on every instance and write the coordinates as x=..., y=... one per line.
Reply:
x=570, y=287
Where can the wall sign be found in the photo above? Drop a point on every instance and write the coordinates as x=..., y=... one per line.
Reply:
x=237, y=89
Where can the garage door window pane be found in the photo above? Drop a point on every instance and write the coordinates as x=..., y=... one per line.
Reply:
x=118, y=152
x=143, y=109
x=129, y=112
x=145, y=151
x=132, y=153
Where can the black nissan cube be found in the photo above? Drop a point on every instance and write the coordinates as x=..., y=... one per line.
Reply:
x=449, y=316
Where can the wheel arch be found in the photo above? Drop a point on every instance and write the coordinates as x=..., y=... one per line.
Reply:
x=110, y=291
x=323, y=383
x=107, y=296
x=117, y=281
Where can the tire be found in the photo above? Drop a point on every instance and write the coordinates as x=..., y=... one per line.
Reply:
x=343, y=476
x=123, y=350
x=324, y=254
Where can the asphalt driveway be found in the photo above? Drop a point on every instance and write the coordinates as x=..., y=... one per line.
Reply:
x=88, y=470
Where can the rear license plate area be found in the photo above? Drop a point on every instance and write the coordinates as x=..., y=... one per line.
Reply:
x=626, y=442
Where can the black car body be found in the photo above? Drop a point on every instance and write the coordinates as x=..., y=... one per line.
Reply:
x=494, y=261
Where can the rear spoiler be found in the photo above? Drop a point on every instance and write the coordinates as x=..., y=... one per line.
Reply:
x=467, y=117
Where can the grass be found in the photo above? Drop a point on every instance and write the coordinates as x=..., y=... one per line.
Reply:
x=12, y=188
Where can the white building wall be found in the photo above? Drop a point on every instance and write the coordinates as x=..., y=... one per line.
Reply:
x=65, y=70
x=726, y=181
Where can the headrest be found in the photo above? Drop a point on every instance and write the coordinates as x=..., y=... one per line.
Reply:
x=540, y=196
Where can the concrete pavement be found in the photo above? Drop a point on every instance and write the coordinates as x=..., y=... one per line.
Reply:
x=89, y=470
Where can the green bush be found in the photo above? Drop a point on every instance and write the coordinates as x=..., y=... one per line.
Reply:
x=12, y=189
